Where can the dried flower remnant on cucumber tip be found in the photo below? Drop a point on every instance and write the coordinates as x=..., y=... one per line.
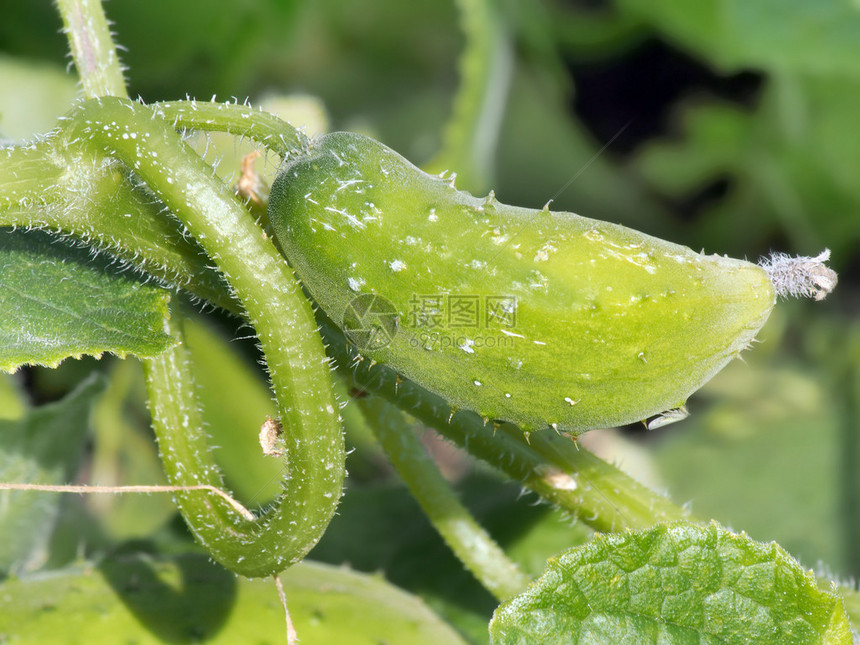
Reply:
x=800, y=277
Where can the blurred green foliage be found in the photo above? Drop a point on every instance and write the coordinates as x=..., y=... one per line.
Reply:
x=772, y=446
x=188, y=599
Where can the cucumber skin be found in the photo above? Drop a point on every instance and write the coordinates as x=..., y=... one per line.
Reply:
x=612, y=326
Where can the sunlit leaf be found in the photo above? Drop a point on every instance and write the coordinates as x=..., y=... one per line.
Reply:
x=188, y=599
x=678, y=583
x=57, y=301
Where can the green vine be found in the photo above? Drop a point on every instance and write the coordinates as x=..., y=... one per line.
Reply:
x=93, y=49
x=469, y=542
x=275, y=307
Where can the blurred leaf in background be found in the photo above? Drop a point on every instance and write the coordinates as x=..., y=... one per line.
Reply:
x=137, y=599
x=45, y=446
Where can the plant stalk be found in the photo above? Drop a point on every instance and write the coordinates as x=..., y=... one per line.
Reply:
x=241, y=120
x=461, y=532
x=92, y=47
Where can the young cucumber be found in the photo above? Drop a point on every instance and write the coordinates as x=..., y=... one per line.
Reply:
x=534, y=317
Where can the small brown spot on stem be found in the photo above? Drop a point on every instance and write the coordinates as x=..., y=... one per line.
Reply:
x=270, y=432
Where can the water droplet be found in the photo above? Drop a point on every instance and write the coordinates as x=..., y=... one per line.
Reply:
x=668, y=417
x=466, y=346
x=594, y=234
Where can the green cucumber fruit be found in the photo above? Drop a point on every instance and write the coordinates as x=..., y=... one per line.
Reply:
x=580, y=324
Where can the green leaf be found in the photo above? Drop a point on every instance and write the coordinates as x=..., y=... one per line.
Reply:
x=757, y=418
x=43, y=447
x=188, y=599
x=676, y=583
x=58, y=302
x=816, y=37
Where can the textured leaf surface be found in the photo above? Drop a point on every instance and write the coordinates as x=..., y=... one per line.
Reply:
x=758, y=420
x=678, y=583
x=44, y=447
x=57, y=302
x=188, y=599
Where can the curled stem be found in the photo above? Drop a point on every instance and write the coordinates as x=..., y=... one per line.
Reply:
x=241, y=120
x=281, y=316
x=74, y=192
x=461, y=532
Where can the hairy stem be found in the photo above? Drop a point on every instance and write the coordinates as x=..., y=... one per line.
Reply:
x=553, y=466
x=461, y=532
x=275, y=306
x=239, y=543
x=92, y=46
x=26, y=173
x=241, y=120
x=75, y=192
x=80, y=193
